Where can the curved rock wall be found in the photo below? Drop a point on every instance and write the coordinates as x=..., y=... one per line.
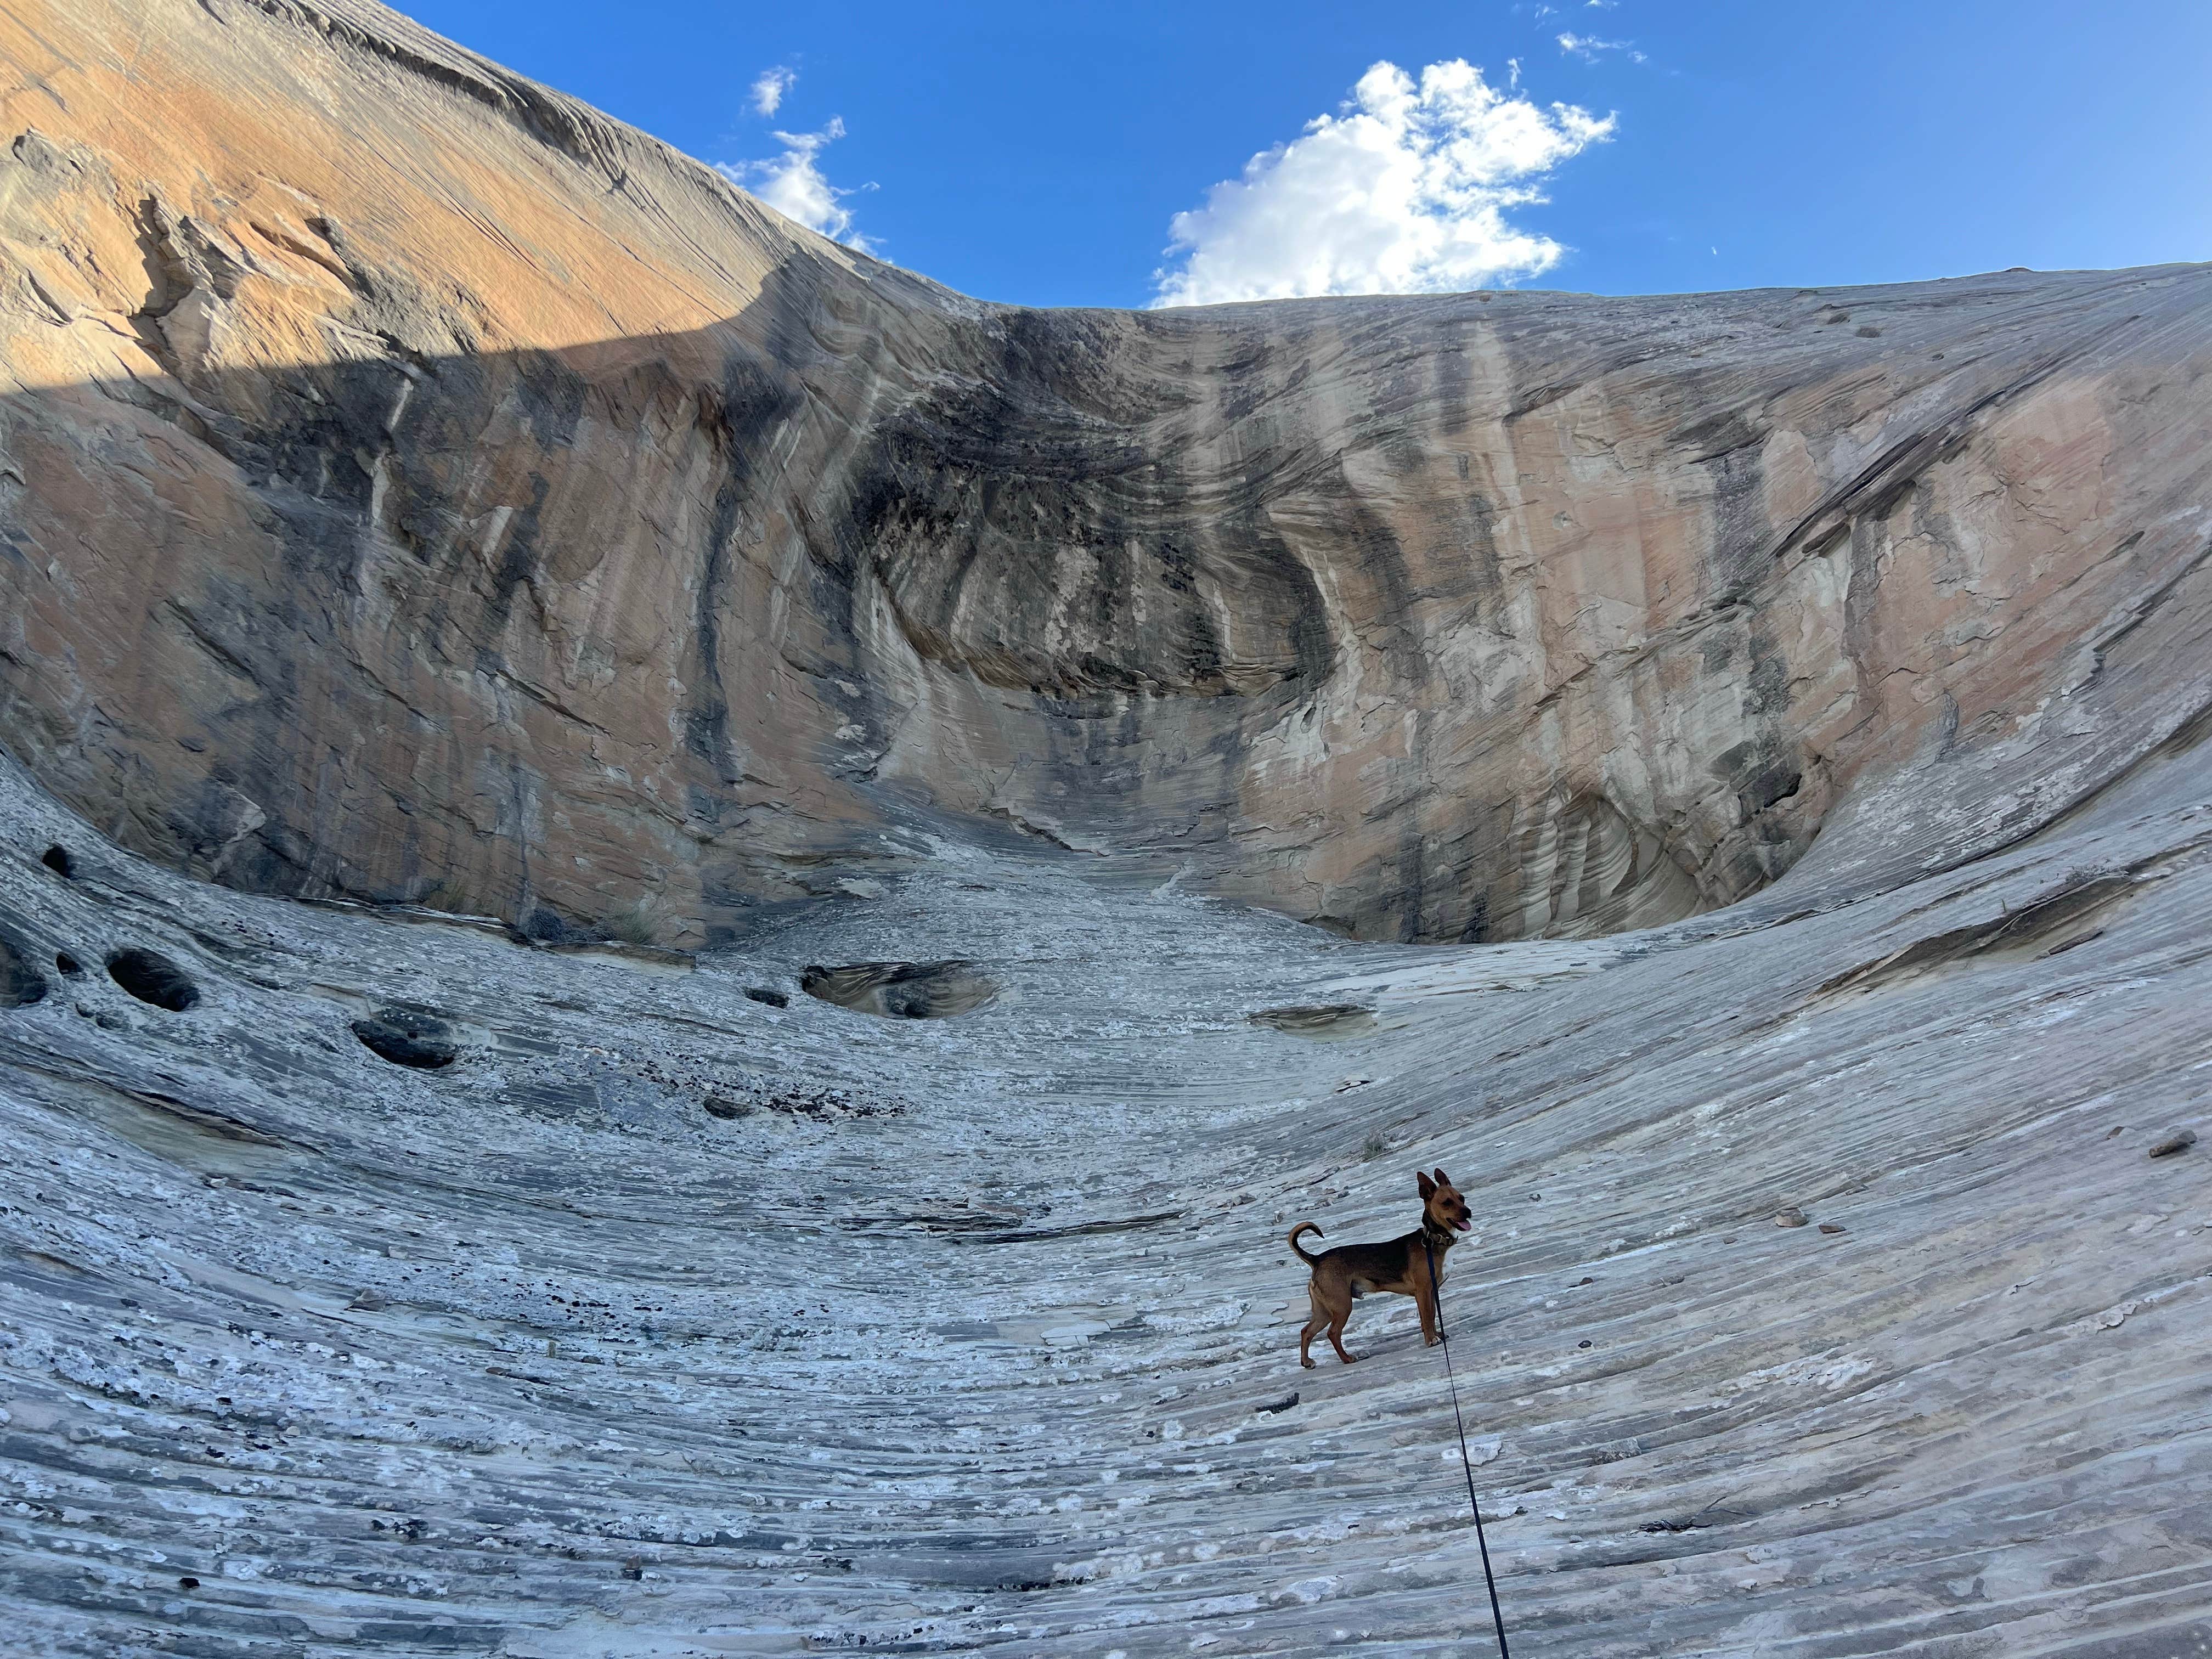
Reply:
x=418, y=487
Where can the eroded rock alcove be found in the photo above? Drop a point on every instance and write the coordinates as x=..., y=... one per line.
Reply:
x=709, y=908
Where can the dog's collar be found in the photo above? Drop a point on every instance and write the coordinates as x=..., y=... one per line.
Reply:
x=1439, y=1237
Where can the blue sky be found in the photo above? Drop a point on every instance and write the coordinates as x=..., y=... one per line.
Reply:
x=1041, y=153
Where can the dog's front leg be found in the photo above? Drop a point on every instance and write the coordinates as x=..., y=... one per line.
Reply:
x=1432, y=1314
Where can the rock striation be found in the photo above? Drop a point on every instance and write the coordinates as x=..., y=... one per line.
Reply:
x=653, y=989
x=508, y=516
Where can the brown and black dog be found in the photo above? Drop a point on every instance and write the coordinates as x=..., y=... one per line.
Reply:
x=1401, y=1266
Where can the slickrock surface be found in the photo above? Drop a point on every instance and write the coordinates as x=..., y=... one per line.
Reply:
x=663, y=1320
x=418, y=487
x=654, y=996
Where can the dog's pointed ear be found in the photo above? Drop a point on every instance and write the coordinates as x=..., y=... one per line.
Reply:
x=1443, y=1180
x=1428, y=1186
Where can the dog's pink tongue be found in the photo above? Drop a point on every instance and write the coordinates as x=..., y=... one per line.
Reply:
x=1464, y=1224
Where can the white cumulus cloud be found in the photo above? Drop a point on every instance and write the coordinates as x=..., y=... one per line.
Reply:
x=793, y=185
x=1405, y=190
x=768, y=88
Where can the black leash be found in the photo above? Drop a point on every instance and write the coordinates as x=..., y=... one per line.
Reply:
x=1436, y=1295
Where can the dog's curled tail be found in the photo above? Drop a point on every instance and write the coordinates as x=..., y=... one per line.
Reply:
x=1305, y=1227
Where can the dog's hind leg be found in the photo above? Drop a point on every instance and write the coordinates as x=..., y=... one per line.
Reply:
x=1313, y=1326
x=1336, y=1324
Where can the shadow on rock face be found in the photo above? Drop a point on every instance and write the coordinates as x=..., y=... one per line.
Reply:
x=154, y=979
x=1325, y=1019
x=407, y=1036
x=58, y=859
x=21, y=984
x=901, y=990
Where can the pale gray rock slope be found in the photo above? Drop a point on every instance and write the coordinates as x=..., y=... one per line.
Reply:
x=490, y=616
x=665, y=1320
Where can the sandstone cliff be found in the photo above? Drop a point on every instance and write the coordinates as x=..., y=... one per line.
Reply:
x=415, y=486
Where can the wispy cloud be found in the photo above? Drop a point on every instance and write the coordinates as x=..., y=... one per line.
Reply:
x=793, y=185
x=1404, y=189
x=768, y=88
x=1589, y=48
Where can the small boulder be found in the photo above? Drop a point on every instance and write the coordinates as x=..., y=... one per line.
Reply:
x=1321, y=1019
x=1792, y=1217
x=2180, y=1141
x=901, y=990
x=408, y=1036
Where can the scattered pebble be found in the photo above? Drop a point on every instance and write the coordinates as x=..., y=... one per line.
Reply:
x=1830, y=1227
x=2180, y=1142
x=1792, y=1217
